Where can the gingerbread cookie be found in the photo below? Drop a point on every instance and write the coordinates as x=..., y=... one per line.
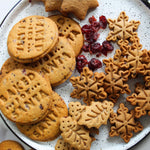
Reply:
x=10, y=145
x=48, y=128
x=31, y=38
x=123, y=123
x=71, y=30
x=78, y=8
x=75, y=135
x=88, y=85
x=24, y=93
x=91, y=116
x=121, y=28
x=140, y=99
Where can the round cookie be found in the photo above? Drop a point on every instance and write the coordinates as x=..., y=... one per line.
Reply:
x=71, y=30
x=31, y=38
x=25, y=96
x=58, y=65
x=48, y=128
x=10, y=145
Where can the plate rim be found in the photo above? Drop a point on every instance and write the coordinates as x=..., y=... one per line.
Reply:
x=3, y=117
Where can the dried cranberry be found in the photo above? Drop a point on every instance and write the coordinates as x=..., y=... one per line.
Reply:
x=95, y=26
x=92, y=37
x=86, y=47
x=103, y=22
x=92, y=19
x=95, y=48
x=107, y=47
x=94, y=64
x=86, y=29
x=81, y=61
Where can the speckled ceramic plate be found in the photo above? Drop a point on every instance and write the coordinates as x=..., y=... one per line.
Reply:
x=136, y=10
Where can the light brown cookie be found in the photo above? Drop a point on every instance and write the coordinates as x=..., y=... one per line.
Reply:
x=88, y=85
x=123, y=123
x=31, y=38
x=10, y=145
x=75, y=135
x=58, y=65
x=71, y=30
x=48, y=128
x=78, y=8
x=121, y=28
x=91, y=116
x=25, y=96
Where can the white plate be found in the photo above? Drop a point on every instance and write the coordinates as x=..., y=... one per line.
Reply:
x=136, y=10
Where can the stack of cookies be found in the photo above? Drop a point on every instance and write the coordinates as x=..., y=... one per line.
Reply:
x=43, y=55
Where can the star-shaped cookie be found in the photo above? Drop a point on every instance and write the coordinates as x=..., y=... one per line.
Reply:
x=78, y=7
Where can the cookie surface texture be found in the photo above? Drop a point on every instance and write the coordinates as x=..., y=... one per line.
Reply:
x=31, y=38
x=78, y=7
x=48, y=128
x=10, y=145
x=24, y=93
x=71, y=30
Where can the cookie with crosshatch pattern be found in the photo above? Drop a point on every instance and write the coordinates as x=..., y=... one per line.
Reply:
x=31, y=38
x=48, y=128
x=25, y=96
x=70, y=29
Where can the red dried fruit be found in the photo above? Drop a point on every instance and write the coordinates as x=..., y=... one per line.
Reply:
x=92, y=37
x=95, y=26
x=92, y=19
x=103, y=22
x=81, y=61
x=94, y=64
x=86, y=47
x=86, y=29
x=95, y=48
x=107, y=47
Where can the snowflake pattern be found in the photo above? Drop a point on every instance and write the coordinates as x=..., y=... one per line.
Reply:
x=122, y=29
x=123, y=123
x=88, y=85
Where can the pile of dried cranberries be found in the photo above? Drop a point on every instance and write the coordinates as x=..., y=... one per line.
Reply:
x=91, y=45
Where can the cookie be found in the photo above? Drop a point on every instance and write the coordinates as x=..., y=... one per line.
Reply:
x=51, y=5
x=61, y=145
x=88, y=86
x=115, y=82
x=140, y=100
x=10, y=145
x=123, y=123
x=75, y=135
x=31, y=38
x=122, y=29
x=71, y=30
x=23, y=93
x=91, y=116
x=78, y=8
x=48, y=128
x=58, y=65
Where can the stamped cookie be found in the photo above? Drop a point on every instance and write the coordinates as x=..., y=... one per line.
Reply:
x=78, y=8
x=91, y=116
x=121, y=28
x=115, y=82
x=58, y=65
x=123, y=123
x=75, y=135
x=140, y=99
x=25, y=96
x=71, y=30
x=10, y=145
x=88, y=85
x=31, y=38
x=48, y=128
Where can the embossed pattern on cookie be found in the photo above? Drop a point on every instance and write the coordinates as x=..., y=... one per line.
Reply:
x=31, y=38
x=24, y=93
